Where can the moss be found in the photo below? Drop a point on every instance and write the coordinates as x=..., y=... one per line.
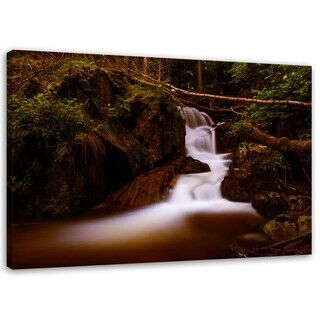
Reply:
x=288, y=225
x=266, y=161
x=88, y=154
x=135, y=97
x=272, y=203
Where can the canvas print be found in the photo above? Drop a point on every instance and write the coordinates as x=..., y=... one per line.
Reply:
x=118, y=159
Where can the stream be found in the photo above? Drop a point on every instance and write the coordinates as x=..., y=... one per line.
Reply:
x=194, y=222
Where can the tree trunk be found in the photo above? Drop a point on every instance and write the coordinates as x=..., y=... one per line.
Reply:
x=200, y=76
x=302, y=104
x=154, y=82
x=159, y=69
x=145, y=65
x=281, y=144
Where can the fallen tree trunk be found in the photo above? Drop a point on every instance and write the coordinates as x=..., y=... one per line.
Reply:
x=173, y=89
x=281, y=144
x=241, y=100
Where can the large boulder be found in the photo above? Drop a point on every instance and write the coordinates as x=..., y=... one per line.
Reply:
x=288, y=225
x=254, y=169
x=160, y=126
x=153, y=186
x=94, y=88
x=271, y=203
x=226, y=140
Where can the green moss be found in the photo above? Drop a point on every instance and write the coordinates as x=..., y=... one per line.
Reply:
x=267, y=162
x=88, y=155
x=287, y=225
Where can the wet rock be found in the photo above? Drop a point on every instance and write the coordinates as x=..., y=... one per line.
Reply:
x=226, y=141
x=288, y=225
x=186, y=165
x=146, y=188
x=154, y=185
x=240, y=188
x=272, y=203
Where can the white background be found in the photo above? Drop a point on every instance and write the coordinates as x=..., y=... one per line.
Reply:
x=256, y=31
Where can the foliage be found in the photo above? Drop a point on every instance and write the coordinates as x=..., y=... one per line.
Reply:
x=85, y=148
x=269, y=162
x=264, y=116
x=286, y=82
x=136, y=97
x=37, y=128
x=45, y=116
x=274, y=164
x=274, y=82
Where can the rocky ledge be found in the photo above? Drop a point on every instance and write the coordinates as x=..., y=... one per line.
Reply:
x=154, y=185
x=266, y=178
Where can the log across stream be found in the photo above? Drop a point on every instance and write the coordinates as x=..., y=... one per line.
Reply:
x=194, y=222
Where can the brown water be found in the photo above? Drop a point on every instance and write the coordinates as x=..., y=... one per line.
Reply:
x=195, y=222
x=142, y=236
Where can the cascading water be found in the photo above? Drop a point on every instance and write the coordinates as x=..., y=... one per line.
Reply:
x=201, y=145
x=195, y=222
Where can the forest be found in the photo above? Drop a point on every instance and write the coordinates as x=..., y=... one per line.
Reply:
x=93, y=137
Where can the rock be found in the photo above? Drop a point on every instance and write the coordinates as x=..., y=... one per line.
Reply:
x=288, y=225
x=160, y=126
x=240, y=188
x=271, y=203
x=146, y=188
x=186, y=165
x=153, y=186
x=94, y=88
x=225, y=140
x=149, y=128
x=254, y=169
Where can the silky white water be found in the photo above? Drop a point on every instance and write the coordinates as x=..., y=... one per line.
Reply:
x=194, y=222
x=201, y=145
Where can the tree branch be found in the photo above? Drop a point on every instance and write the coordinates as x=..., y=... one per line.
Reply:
x=242, y=100
x=152, y=81
x=281, y=144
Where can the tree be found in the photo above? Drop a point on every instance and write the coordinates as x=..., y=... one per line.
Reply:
x=281, y=144
x=200, y=75
x=145, y=65
x=159, y=69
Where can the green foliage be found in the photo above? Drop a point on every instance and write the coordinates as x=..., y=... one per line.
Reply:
x=85, y=148
x=264, y=116
x=286, y=82
x=277, y=82
x=45, y=116
x=143, y=94
x=268, y=162
x=74, y=66
x=274, y=164
x=240, y=72
x=135, y=97
x=46, y=132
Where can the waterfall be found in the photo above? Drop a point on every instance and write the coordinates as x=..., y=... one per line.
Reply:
x=201, y=145
x=195, y=222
